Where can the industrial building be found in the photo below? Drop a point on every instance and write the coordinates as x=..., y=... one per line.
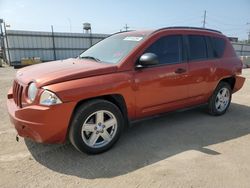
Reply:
x=18, y=45
x=46, y=45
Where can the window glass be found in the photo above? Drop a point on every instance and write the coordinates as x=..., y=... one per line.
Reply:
x=219, y=46
x=114, y=48
x=197, y=47
x=168, y=49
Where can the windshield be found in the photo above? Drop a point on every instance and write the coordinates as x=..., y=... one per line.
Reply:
x=113, y=48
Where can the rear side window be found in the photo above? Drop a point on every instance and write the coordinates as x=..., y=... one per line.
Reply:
x=168, y=49
x=197, y=47
x=219, y=46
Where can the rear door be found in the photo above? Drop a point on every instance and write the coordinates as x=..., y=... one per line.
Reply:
x=201, y=66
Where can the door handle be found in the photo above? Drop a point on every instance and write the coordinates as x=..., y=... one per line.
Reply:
x=180, y=70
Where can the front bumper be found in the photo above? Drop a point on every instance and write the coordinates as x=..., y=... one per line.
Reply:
x=44, y=124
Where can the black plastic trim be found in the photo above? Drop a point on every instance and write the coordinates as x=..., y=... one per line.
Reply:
x=191, y=28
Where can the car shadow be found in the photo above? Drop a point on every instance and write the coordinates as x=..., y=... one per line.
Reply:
x=148, y=142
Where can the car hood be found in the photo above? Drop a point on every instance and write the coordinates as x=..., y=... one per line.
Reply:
x=63, y=70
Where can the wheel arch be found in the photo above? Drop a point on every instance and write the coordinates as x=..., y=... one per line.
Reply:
x=230, y=80
x=116, y=99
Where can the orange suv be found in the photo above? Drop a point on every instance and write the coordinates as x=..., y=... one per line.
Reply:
x=127, y=76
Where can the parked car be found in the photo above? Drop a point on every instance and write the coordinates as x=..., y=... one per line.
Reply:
x=127, y=76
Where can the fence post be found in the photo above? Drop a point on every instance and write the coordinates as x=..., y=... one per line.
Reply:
x=7, y=44
x=241, y=50
x=53, y=42
x=91, y=38
x=2, y=41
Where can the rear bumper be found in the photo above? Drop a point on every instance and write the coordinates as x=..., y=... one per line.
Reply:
x=41, y=123
x=239, y=81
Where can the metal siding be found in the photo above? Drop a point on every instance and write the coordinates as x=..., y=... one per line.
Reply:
x=242, y=49
x=28, y=44
x=246, y=48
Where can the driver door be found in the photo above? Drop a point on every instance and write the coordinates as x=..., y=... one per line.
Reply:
x=162, y=87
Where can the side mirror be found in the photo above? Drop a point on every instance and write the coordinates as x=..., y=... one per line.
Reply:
x=147, y=59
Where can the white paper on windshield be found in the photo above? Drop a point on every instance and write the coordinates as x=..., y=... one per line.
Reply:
x=133, y=38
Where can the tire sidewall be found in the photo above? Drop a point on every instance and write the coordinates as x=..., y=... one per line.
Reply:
x=212, y=108
x=82, y=114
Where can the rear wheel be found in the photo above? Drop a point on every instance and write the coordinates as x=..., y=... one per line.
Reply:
x=221, y=99
x=96, y=126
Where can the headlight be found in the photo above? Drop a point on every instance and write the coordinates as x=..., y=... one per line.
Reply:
x=32, y=91
x=48, y=98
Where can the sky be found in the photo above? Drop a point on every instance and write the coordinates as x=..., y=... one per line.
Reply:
x=109, y=16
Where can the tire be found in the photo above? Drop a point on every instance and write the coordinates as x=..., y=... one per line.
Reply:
x=96, y=126
x=220, y=100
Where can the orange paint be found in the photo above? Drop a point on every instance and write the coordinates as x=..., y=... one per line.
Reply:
x=146, y=91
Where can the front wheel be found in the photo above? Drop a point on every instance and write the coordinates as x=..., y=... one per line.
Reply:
x=96, y=126
x=220, y=100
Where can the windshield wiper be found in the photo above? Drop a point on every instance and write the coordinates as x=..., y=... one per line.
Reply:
x=90, y=57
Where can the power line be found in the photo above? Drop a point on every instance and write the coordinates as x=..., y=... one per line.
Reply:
x=218, y=21
x=225, y=29
x=186, y=20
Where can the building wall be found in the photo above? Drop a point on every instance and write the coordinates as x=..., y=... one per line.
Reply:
x=242, y=49
x=28, y=44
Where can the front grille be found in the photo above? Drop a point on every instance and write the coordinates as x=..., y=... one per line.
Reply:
x=17, y=93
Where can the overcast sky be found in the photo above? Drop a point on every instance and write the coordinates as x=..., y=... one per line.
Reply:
x=106, y=16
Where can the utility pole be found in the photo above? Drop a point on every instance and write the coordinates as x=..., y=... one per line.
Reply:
x=53, y=42
x=70, y=26
x=248, y=33
x=126, y=27
x=204, y=19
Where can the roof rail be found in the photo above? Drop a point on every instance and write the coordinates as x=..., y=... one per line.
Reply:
x=183, y=27
x=122, y=32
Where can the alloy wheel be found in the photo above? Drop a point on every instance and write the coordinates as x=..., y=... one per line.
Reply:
x=99, y=129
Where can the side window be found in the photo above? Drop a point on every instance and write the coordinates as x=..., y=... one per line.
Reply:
x=219, y=46
x=197, y=47
x=168, y=49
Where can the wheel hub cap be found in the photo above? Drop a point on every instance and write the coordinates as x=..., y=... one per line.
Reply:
x=99, y=129
x=222, y=99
